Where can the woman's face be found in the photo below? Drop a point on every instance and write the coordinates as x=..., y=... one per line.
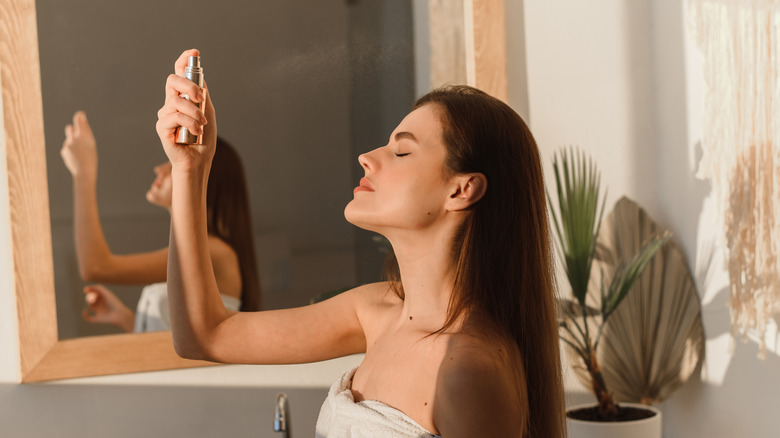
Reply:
x=405, y=184
x=160, y=191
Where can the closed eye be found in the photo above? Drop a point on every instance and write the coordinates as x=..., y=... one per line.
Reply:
x=402, y=155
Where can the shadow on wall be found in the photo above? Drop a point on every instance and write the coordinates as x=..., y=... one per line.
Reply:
x=131, y=411
x=729, y=397
x=744, y=411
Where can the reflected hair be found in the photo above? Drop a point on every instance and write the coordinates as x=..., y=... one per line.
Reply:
x=229, y=218
x=502, y=251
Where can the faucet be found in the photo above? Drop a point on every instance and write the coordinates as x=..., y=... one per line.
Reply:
x=281, y=415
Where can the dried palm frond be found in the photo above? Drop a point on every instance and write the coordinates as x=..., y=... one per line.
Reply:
x=655, y=339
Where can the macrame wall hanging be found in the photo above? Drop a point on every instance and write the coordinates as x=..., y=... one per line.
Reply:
x=740, y=46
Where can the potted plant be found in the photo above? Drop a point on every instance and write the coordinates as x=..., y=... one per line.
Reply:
x=576, y=226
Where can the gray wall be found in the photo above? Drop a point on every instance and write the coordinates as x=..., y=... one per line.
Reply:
x=301, y=88
x=382, y=94
x=131, y=411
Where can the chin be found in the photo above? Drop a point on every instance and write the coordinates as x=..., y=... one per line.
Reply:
x=155, y=200
x=359, y=219
x=349, y=214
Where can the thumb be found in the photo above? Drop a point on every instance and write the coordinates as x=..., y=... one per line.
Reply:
x=210, y=129
x=91, y=297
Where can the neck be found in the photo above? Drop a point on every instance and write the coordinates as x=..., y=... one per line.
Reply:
x=427, y=272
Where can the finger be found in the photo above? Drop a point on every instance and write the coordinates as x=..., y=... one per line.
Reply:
x=180, y=63
x=98, y=288
x=165, y=111
x=80, y=120
x=169, y=120
x=95, y=289
x=188, y=108
x=76, y=123
x=91, y=298
x=68, y=133
x=177, y=85
x=168, y=124
x=182, y=105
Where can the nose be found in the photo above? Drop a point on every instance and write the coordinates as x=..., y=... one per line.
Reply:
x=368, y=161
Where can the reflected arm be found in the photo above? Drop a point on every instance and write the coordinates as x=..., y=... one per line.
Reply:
x=96, y=261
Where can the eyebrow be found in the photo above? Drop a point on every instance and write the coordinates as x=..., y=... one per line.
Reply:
x=405, y=134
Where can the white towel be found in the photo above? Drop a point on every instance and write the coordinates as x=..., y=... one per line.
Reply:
x=341, y=417
x=151, y=314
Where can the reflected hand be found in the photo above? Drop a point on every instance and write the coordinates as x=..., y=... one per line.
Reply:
x=104, y=307
x=79, y=150
x=178, y=111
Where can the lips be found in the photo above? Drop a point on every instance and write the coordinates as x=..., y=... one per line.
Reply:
x=365, y=186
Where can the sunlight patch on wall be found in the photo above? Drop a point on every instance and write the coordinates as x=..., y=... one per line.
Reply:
x=739, y=42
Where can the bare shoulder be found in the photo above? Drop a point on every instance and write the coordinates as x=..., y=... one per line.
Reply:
x=477, y=391
x=374, y=304
x=220, y=250
x=375, y=294
x=373, y=297
x=473, y=365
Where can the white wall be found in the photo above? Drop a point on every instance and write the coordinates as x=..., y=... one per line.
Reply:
x=621, y=79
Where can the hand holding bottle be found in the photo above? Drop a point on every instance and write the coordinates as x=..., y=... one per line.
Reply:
x=104, y=307
x=179, y=111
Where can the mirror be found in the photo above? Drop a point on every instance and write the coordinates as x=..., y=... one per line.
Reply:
x=43, y=356
x=300, y=87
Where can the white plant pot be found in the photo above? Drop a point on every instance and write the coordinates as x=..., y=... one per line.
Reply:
x=645, y=428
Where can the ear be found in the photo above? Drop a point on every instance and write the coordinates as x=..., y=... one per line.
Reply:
x=467, y=190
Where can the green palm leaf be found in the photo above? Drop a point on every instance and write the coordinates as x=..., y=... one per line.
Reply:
x=580, y=209
x=627, y=274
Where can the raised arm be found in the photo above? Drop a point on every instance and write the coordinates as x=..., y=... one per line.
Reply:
x=202, y=327
x=95, y=259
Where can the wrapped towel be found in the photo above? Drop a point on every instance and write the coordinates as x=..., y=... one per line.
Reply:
x=341, y=417
x=151, y=314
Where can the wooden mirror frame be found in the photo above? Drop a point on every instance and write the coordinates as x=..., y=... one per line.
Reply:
x=43, y=356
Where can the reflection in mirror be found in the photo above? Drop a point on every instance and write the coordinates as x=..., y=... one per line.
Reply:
x=301, y=88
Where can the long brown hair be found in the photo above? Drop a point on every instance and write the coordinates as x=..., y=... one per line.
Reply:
x=229, y=218
x=503, y=250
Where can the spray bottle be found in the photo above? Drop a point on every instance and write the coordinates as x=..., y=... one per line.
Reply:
x=193, y=72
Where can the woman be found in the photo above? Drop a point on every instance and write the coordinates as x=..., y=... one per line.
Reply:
x=462, y=341
x=229, y=229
